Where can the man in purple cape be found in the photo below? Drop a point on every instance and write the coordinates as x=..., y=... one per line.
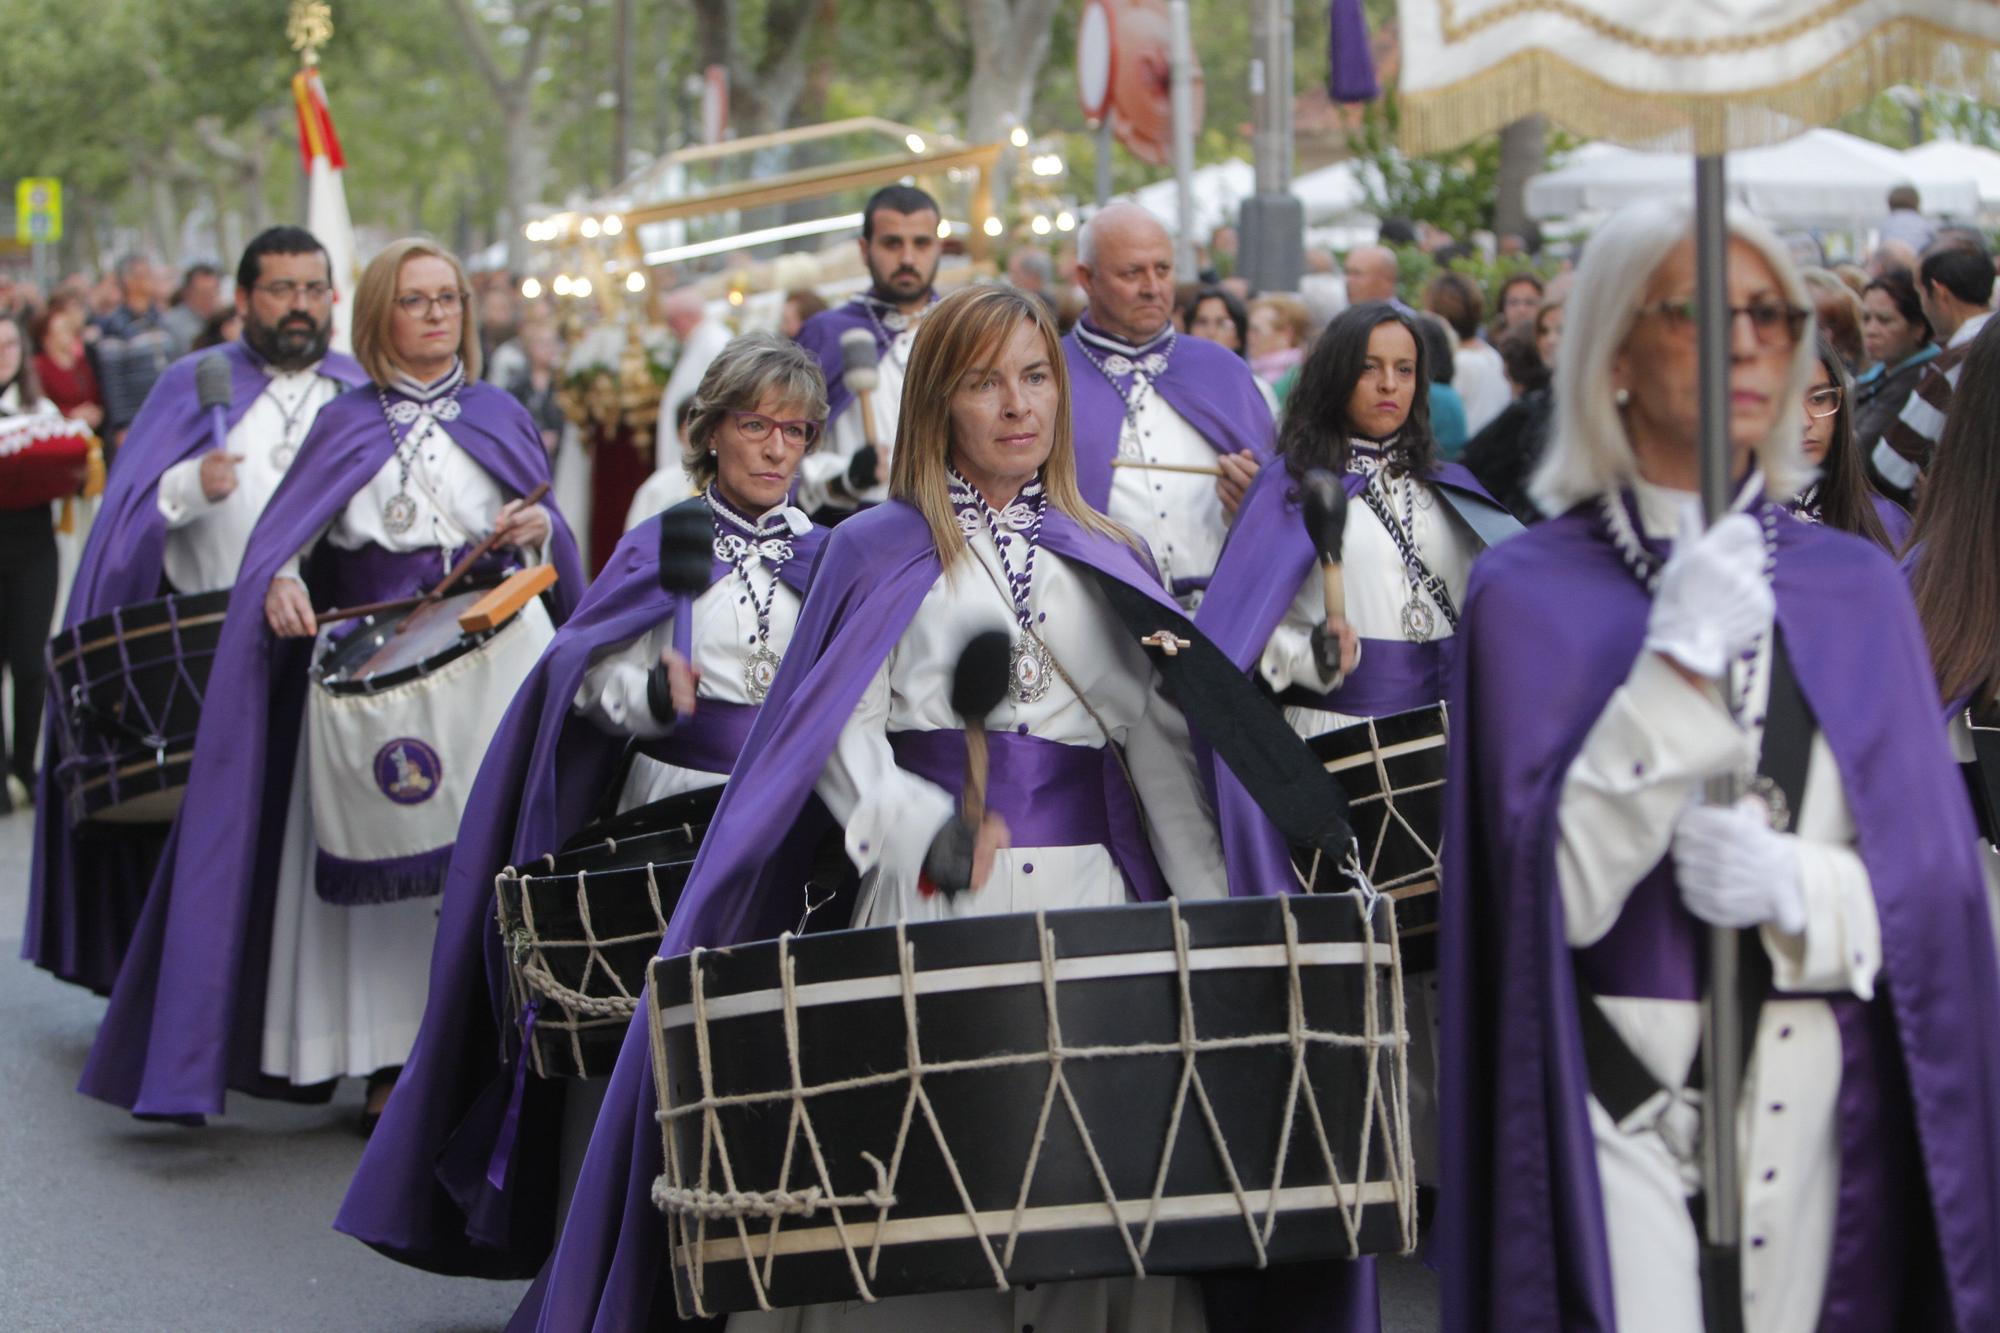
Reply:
x=1268, y=555
x=1554, y=615
x=87, y=886
x=438, y=1186
x=609, y=1270
x=186, y=1017
x=900, y=247
x=1169, y=407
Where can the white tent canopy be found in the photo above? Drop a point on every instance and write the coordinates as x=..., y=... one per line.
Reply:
x=1821, y=177
x=1329, y=194
x=1944, y=157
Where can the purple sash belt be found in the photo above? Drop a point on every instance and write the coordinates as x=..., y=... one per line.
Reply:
x=709, y=741
x=1050, y=794
x=1393, y=676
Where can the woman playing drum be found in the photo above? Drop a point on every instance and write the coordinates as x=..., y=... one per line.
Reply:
x=985, y=532
x=612, y=673
x=245, y=971
x=1618, y=660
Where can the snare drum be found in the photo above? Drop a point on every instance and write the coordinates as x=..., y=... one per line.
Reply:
x=401, y=711
x=581, y=925
x=1393, y=770
x=128, y=695
x=1001, y=1100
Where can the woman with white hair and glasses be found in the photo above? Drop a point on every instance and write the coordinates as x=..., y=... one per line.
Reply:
x=1615, y=661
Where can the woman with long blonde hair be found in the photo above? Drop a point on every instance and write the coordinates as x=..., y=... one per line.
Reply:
x=984, y=530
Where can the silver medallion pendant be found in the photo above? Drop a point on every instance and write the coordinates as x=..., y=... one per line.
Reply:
x=1419, y=621
x=759, y=671
x=1029, y=669
x=282, y=456
x=399, y=514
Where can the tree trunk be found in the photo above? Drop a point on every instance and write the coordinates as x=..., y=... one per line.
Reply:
x=513, y=96
x=1522, y=154
x=526, y=166
x=1010, y=43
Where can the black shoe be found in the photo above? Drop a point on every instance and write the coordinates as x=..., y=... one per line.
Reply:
x=381, y=1078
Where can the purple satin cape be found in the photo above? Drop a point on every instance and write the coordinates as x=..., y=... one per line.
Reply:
x=1267, y=556
x=541, y=781
x=86, y=888
x=1895, y=519
x=1205, y=382
x=610, y=1270
x=186, y=1015
x=1551, y=627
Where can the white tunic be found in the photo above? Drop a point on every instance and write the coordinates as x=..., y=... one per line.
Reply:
x=347, y=984
x=613, y=693
x=1178, y=513
x=891, y=815
x=1377, y=590
x=206, y=538
x=823, y=472
x=1643, y=761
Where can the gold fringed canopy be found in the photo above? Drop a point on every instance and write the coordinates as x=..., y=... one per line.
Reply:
x=1631, y=73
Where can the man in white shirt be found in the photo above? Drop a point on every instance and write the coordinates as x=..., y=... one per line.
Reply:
x=701, y=339
x=901, y=247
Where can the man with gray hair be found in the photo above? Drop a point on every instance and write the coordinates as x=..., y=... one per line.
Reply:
x=1371, y=274
x=1156, y=416
x=1029, y=269
x=134, y=344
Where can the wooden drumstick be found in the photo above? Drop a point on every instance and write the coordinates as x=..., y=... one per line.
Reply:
x=1325, y=508
x=333, y=615
x=977, y=686
x=1191, y=469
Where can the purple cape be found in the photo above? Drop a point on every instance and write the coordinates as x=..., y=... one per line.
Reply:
x=186, y=1015
x=542, y=775
x=81, y=936
x=1206, y=383
x=1895, y=519
x=1552, y=624
x=1267, y=556
x=609, y=1271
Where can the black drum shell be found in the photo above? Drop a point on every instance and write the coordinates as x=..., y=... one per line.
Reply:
x=1399, y=849
x=146, y=666
x=989, y=1115
x=621, y=907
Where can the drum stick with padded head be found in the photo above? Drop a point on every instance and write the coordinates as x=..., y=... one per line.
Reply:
x=1326, y=524
x=687, y=556
x=977, y=686
x=212, y=388
x=860, y=369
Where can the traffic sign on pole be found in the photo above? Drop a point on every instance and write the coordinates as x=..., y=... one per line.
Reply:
x=38, y=209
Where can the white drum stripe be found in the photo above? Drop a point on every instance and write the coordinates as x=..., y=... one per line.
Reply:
x=1000, y=1221
x=997, y=975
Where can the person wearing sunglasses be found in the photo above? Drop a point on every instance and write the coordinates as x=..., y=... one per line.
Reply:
x=268, y=963
x=176, y=516
x=1841, y=496
x=1618, y=662
x=681, y=673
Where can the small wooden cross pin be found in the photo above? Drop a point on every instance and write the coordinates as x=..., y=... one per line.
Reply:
x=1165, y=641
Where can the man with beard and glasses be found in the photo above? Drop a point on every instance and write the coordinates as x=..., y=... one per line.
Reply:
x=176, y=517
x=901, y=247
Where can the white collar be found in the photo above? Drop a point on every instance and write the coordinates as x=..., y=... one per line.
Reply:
x=1970, y=329
x=1660, y=507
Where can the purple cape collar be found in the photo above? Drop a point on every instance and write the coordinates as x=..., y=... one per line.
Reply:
x=820, y=335
x=1207, y=384
x=186, y=1018
x=1554, y=617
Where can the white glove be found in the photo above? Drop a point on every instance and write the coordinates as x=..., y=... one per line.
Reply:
x=1714, y=600
x=1735, y=870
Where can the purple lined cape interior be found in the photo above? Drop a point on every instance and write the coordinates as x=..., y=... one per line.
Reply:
x=186, y=1016
x=85, y=891
x=1209, y=385
x=1267, y=556
x=608, y=1271
x=1554, y=619
x=421, y=1193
